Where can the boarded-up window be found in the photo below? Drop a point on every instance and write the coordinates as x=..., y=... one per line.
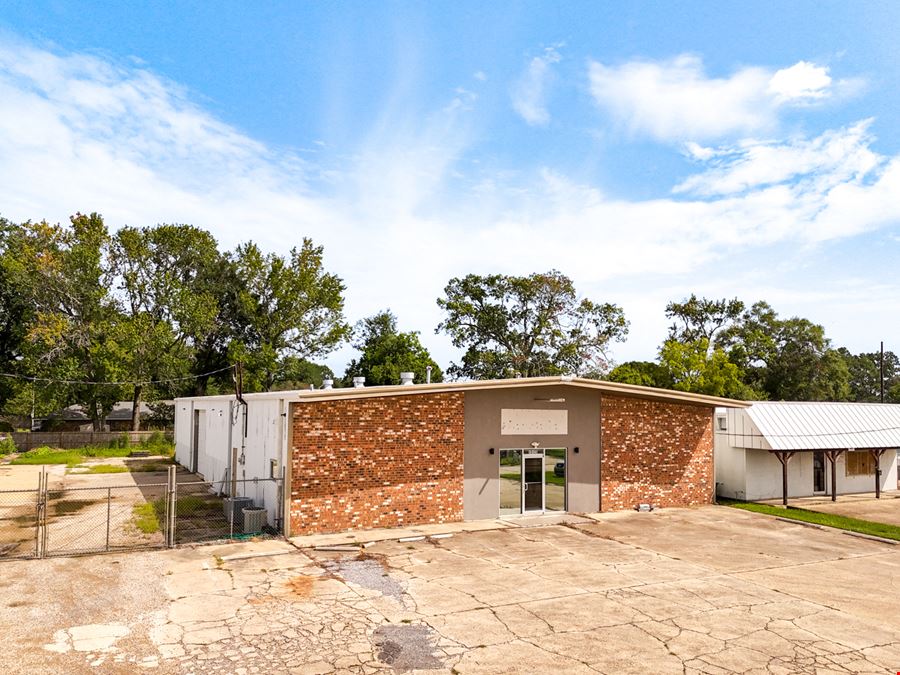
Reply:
x=860, y=464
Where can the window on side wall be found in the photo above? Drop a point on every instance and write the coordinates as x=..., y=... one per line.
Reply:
x=860, y=464
x=722, y=423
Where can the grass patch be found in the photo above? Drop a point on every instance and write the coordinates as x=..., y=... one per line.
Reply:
x=550, y=478
x=47, y=455
x=136, y=466
x=155, y=445
x=817, y=518
x=106, y=468
x=148, y=516
x=64, y=507
x=145, y=518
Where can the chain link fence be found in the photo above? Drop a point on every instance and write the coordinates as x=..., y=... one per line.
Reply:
x=74, y=521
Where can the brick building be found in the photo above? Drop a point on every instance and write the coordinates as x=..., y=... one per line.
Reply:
x=430, y=453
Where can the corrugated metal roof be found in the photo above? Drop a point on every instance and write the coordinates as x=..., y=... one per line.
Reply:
x=827, y=426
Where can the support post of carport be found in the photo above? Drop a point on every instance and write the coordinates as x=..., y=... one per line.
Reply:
x=784, y=457
x=831, y=456
x=876, y=455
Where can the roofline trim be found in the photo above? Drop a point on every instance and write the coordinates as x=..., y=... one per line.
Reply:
x=632, y=390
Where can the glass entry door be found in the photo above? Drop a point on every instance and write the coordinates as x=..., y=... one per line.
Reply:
x=532, y=480
x=533, y=485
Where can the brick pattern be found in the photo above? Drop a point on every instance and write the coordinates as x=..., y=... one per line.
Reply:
x=655, y=452
x=378, y=462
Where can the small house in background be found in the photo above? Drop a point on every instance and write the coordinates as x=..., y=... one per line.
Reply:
x=154, y=416
x=778, y=450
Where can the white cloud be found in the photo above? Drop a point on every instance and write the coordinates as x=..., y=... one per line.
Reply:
x=530, y=91
x=832, y=158
x=404, y=213
x=803, y=80
x=677, y=100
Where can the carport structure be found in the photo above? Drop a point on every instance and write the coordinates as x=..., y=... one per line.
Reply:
x=860, y=433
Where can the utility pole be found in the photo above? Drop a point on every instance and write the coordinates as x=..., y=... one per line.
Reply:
x=881, y=371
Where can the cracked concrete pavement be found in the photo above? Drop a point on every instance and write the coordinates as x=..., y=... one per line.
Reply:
x=708, y=590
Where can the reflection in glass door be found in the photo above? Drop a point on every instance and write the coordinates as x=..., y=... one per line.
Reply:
x=533, y=485
x=532, y=480
x=510, y=482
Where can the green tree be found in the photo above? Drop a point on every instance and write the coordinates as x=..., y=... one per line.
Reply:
x=297, y=373
x=527, y=326
x=386, y=353
x=644, y=373
x=16, y=313
x=73, y=335
x=693, y=366
x=702, y=318
x=166, y=308
x=288, y=306
x=865, y=375
x=789, y=359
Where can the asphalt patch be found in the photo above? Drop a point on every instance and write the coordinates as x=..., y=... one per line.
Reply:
x=407, y=647
x=369, y=573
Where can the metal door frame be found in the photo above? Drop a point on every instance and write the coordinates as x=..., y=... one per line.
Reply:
x=534, y=453
x=824, y=489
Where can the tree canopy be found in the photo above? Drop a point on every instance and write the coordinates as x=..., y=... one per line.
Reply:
x=386, y=352
x=159, y=310
x=526, y=326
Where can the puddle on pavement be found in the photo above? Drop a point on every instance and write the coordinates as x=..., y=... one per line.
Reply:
x=407, y=647
x=366, y=572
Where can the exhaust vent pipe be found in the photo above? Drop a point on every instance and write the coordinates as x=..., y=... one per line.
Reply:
x=359, y=382
x=407, y=378
x=427, y=374
x=328, y=384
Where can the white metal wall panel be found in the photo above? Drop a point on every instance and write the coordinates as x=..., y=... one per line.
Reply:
x=183, y=431
x=815, y=426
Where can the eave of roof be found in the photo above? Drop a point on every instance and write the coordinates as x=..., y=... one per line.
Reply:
x=615, y=388
x=807, y=425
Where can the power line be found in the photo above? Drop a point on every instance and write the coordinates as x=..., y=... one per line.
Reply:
x=50, y=380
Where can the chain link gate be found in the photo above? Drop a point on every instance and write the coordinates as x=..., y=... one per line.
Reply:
x=48, y=522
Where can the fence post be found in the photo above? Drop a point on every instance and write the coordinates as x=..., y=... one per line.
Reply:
x=42, y=510
x=171, y=505
x=37, y=514
x=108, y=513
x=281, y=501
x=231, y=518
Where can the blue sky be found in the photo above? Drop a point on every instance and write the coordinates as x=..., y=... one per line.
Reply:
x=648, y=150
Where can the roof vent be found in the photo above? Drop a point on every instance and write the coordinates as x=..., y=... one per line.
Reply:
x=328, y=384
x=407, y=378
x=359, y=382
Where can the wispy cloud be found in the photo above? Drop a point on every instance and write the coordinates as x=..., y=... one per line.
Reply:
x=676, y=99
x=406, y=210
x=529, y=93
x=833, y=158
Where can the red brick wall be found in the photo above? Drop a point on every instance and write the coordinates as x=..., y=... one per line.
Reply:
x=376, y=462
x=654, y=452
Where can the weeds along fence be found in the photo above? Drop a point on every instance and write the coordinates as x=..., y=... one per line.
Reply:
x=72, y=440
x=47, y=522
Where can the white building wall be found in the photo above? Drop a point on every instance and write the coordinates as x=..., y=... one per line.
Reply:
x=263, y=449
x=851, y=484
x=745, y=469
x=221, y=441
x=730, y=466
x=183, y=430
x=763, y=476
